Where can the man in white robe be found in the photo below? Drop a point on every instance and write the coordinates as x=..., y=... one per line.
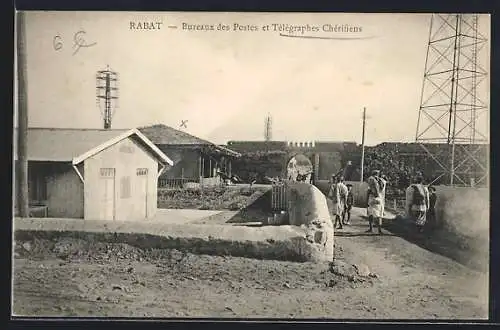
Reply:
x=417, y=202
x=374, y=209
x=338, y=195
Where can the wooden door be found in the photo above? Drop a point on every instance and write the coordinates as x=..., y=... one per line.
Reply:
x=107, y=194
x=142, y=192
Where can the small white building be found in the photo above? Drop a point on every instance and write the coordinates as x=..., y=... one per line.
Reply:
x=94, y=174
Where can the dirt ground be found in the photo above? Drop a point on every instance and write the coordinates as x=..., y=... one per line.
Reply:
x=374, y=277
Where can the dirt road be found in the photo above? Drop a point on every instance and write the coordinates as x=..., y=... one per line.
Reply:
x=392, y=279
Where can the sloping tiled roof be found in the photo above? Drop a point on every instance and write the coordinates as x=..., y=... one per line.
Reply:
x=62, y=145
x=162, y=134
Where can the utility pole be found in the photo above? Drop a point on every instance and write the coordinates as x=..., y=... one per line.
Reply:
x=363, y=145
x=107, y=92
x=268, y=128
x=22, y=115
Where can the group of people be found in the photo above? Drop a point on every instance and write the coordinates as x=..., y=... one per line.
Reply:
x=342, y=199
x=420, y=201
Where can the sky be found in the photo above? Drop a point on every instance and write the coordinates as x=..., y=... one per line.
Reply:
x=225, y=83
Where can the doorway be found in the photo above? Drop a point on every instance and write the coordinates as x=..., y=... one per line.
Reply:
x=299, y=168
x=107, y=192
x=142, y=192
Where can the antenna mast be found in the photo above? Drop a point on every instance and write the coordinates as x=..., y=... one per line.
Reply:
x=268, y=128
x=107, y=94
x=452, y=121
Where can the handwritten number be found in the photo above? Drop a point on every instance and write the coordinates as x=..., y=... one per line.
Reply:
x=78, y=39
x=80, y=42
x=57, y=42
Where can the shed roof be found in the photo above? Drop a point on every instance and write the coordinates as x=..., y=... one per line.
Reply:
x=68, y=144
x=161, y=134
x=133, y=132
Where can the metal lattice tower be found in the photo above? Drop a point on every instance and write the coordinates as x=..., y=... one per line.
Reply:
x=268, y=134
x=107, y=94
x=452, y=120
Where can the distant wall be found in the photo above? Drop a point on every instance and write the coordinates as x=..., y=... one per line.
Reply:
x=329, y=163
x=253, y=146
x=307, y=207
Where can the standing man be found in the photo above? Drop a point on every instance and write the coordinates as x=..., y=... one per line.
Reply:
x=337, y=194
x=343, y=196
x=417, y=202
x=374, y=209
x=383, y=178
x=431, y=213
x=348, y=205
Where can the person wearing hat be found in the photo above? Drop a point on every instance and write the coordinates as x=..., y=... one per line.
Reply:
x=374, y=210
x=417, y=202
x=338, y=194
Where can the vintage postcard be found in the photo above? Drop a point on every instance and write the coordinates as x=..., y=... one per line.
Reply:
x=251, y=165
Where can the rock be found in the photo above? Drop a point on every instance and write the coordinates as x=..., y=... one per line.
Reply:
x=362, y=270
x=341, y=268
x=320, y=237
x=82, y=288
x=286, y=285
x=27, y=246
x=16, y=255
x=117, y=287
x=130, y=270
x=140, y=282
x=332, y=283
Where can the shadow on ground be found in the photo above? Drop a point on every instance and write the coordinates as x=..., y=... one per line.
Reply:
x=465, y=250
x=255, y=213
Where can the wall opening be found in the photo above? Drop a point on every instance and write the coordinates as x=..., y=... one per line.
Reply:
x=299, y=168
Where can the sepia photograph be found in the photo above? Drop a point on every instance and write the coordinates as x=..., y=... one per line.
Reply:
x=244, y=165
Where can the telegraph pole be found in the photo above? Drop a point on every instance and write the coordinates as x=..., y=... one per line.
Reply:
x=22, y=115
x=107, y=93
x=363, y=145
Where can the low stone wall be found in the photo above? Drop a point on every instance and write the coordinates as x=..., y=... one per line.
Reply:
x=308, y=209
x=463, y=214
x=464, y=210
x=290, y=243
